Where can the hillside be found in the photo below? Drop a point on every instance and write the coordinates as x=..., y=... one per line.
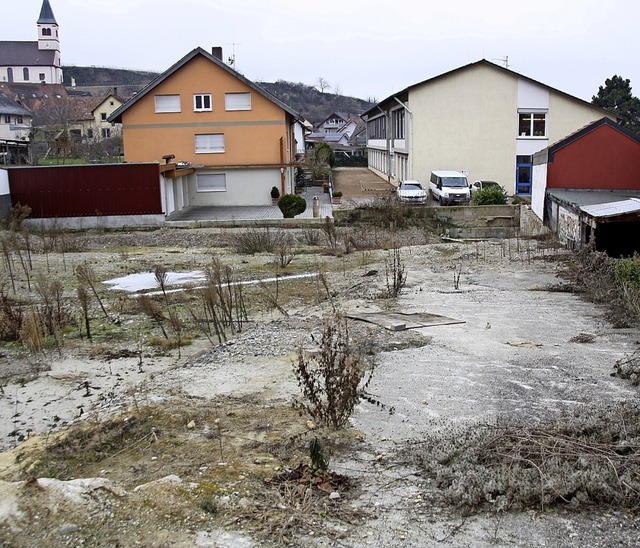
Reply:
x=314, y=105
x=97, y=80
x=307, y=100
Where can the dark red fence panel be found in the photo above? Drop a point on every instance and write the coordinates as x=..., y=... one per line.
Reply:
x=87, y=190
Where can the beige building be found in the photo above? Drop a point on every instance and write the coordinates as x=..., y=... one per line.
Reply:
x=89, y=117
x=481, y=118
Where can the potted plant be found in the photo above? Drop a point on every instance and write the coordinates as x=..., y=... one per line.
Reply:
x=336, y=197
x=275, y=195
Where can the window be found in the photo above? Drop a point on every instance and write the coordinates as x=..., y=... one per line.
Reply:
x=398, y=123
x=377, y=128
x=90, y=133
x=237, y=101
x=76, y=135
x=103, y=116
x=7, y=119
x=19, y=120
x=201, y=102
x=46, y=32
x=41, y=77
x=167, y=103
x=532, y=124
x=25, y=74
x=209, y=142
x=106, y=132
x=211, y=182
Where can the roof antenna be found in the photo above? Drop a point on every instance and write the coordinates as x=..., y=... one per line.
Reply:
x=231, y=61
x=505, y=60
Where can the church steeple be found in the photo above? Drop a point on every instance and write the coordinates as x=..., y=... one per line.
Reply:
x=47, y=29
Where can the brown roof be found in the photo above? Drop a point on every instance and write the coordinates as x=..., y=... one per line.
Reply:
x=25, y=54
x=32, y=95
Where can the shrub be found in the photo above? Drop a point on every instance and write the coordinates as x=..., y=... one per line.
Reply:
x=330, y=379
x=325, y=154
x=256, y=240
x=292, y=205
x=627, y=271
x=275, y=193
x=337, y=194
x=493, y=195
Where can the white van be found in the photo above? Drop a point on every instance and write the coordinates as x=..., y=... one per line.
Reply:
x=450, y=187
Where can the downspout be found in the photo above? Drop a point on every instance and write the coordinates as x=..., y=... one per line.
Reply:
x=405, y=107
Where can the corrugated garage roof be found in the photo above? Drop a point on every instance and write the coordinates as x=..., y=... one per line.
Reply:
x=613, y=209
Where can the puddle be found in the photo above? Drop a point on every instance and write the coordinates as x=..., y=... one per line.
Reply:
x=144, y=281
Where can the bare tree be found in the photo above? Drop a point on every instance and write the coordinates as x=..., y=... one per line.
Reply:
x=322, y=84
x=337, y=89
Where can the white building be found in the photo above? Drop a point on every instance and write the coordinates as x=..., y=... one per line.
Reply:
x=480, y=118
x=34, y=62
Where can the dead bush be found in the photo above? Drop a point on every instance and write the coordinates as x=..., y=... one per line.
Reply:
x=396, y=275
x=256, y=240
x=591, y=456
x=330, y=379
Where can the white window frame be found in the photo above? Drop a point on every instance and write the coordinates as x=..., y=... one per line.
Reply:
x=202, y=97
x=211, y=182
x=209, y=143
x=237, y=101
x=533, y=113
x=167, y=103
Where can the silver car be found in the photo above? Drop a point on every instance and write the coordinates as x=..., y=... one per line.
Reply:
x=411, y=192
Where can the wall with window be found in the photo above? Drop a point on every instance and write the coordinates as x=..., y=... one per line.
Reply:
x=204, y=99
x=232, y=188
x=466, y=120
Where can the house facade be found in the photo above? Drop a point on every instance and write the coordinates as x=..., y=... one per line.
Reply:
x=481, y=118
x=90, y=120
x=231, y=140
x=15, y=131
x=37, y=61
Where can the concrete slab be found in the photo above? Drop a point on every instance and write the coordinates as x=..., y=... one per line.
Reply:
x=254, y=213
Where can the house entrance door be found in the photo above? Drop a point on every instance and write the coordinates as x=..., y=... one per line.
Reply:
x=524, y=171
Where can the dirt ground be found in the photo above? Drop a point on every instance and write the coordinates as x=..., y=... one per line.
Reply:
x=119, y=442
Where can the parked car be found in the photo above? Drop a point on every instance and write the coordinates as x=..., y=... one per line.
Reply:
x=411, y=192
x=450, y=187
x=481, y=185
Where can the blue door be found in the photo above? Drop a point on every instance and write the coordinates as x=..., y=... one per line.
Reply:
x=524, y=172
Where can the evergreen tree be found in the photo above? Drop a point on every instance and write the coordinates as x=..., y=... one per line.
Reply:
x=615, y=96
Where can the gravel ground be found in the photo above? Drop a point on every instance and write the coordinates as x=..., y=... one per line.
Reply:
x=511, y=359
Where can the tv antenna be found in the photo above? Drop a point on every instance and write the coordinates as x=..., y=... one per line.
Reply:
x=231, y=60
x=504, y=60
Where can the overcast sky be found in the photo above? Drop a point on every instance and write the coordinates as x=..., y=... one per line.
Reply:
x=365, y=48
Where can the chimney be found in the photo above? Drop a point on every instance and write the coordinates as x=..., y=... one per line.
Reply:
x=217, y=52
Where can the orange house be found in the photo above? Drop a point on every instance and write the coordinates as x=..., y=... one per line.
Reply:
x=230, y=141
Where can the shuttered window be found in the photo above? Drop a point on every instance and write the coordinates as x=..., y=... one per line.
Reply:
x=211, y=182
x=209, y=142
x=167, y=103
x=237, y=101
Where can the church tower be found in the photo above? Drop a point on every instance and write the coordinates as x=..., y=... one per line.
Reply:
x=48, y=29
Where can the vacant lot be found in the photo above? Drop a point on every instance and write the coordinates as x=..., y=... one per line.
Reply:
x=199, y=446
